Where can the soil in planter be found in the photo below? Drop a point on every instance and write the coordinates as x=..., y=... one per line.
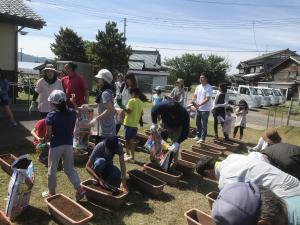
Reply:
x=8, y=159
x=99, y=188
x=146, y=178
x=157, y=167
x=68, y=208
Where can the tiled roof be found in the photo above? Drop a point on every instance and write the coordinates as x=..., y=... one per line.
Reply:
x=17, y=12
x=264, y=56
x=136, y=64
x=151, y=58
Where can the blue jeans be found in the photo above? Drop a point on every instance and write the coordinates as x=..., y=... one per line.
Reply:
x=201, y=122
x=107, y=171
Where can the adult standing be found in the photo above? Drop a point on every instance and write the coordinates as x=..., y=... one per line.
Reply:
x=130, y=82
x=44, y=86
x=74, y=83
x=178, y=93
x=219, y=105
x=106, y=111
x=4, y=87
x=202, y=101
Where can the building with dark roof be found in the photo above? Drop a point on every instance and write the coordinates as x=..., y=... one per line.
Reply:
x=14, y=16
x=278, y=69
x=146, y=66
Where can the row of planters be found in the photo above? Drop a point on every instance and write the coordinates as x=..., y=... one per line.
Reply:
x=151, y=179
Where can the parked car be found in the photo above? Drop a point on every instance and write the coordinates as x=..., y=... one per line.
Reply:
x=232, y=91
x=215, y=91
x=281, y=97
x=265, y=98
x=250, y=95
x=270, y=92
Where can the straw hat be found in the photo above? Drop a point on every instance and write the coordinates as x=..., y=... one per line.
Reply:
x=271, y=136
x=180, y=81
x=49, y=67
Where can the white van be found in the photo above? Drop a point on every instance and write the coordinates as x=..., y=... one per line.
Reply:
x=264, y=97
x=281, y=97
x=270, y=92
x=249, y=95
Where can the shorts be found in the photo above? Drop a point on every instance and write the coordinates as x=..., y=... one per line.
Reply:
x=130, y=132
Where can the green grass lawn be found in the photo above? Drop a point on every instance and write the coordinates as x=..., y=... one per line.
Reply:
x=140, y=208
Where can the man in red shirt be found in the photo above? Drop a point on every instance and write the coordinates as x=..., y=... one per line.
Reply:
x=74, y=83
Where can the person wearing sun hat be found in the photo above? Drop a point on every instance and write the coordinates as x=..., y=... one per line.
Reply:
x=269, y=137
x=104, y=100
x=178, y=93
x=44, y=86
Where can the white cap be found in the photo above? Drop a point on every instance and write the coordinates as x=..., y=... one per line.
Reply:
x=105, y=75
x=157, y=88
x=57, y=97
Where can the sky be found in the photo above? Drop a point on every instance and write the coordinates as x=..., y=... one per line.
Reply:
x=234, y=29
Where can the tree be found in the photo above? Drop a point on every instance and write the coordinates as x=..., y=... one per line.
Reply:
x=68, y=46
x=110, y=50
x=189, y=66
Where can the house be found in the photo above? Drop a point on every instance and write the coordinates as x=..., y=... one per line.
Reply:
x=146, y=66
x=14, y=16
x=278, y=69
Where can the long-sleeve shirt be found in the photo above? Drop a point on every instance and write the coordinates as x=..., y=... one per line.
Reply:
x=182, y=118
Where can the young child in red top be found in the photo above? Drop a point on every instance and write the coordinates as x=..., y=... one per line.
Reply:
x=39, y=132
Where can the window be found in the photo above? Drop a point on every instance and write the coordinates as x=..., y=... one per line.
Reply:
x=259, y=69
x=259, y=92
x=241, y=71
x=253, y=91
x=292, y=74
x=244, y=91
x=252, y=69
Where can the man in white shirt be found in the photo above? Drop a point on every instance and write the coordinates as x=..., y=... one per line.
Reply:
x=202, y=101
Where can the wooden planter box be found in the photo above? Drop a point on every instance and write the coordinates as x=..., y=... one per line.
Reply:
x=3, y=219
x=99, y=194
x=190, y=156
x=211, y=197
x=186, y=167
x=231, y=146
x=5, y=162
x=197, y=217
x=171, y=177
x=213, y=146
x=80, y=156
x=142, y=138
x=67, y=211
x=213, y=153
x=146, y=182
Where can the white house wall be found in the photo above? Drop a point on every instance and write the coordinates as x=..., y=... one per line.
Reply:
x=7, y=46
x=160, y=81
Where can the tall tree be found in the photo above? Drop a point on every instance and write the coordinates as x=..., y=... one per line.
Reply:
x=68, y=46
x=110, y=49
x=189, y=66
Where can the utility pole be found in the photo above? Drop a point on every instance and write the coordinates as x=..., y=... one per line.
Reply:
x=21, y=54
x=125, y=27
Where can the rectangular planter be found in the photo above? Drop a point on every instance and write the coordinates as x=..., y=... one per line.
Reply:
x=142, y=138
x=80, y=156
x=191, y=156
x=231, y=146
x=213, y=153
x=211, y=197
x=99, y=194
x=197, y=217
x=211, y=145
x=186, y=167
x=3, y=219
x=146, y=182
x=67, y=211
x=171, y=177
x=5, y=162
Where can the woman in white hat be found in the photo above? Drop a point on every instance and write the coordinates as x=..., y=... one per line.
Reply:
x=106, y=110
x=43, y=89
x=178, y=93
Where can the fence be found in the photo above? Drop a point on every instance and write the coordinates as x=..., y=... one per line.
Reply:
x=21, y=94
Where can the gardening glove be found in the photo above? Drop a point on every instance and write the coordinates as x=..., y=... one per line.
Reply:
x=153, y=128
x=32, y=106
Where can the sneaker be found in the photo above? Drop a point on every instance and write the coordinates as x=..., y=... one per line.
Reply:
x=128, y=158
x=201, y=141
x=80, y=194
x=47, y=194
x=196, y=138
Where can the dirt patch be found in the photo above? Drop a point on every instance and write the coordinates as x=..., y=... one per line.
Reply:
x=68, y=208
x=101, y=189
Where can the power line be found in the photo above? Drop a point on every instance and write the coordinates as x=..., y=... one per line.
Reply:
x=253, y=22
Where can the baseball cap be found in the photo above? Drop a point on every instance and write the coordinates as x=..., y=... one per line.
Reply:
x=238, y=203
x=57, y=97
x=105, y=75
